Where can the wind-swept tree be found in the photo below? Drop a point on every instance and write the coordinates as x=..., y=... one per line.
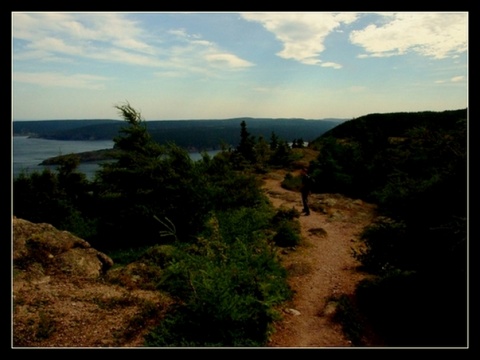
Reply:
x=148, y=181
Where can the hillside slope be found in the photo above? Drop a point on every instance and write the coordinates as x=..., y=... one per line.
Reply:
x=381, y=126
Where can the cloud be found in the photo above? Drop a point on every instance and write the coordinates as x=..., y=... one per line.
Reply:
x=454, y=79
x=50, y=79
x=457, y=78
x=114, y=38
x=80, y=29
x=302, y=34
x=436, y=35
x=193, y=48
x=90, y=36
x=331, y=64
x=230, y=60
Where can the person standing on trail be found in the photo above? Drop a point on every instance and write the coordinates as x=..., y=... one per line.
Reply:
x=305, y=189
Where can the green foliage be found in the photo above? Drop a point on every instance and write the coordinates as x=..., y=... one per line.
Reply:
x=260, y=154
x=223, y=186
x=253, y=221
x=291, y=182
x=247, y=142
x=228, y=284
x=202, y=231
x=287, y=227
x=282, y=155
x=148, y=184
x=274, y=139
x=287, y=234
x=58, y=198
x=340, y=168
x=198, y=133
x=414, y=167
x=159, y=255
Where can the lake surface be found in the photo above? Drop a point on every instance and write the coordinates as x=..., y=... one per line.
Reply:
x=28, y=153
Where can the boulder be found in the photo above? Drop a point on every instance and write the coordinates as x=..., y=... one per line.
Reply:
x=49, y=251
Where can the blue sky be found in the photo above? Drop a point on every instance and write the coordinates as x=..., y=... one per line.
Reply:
x=220, y=65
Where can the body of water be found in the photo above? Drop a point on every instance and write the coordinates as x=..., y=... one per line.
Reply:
x=28, y=153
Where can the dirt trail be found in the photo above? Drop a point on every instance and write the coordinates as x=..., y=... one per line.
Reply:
x=321, y=267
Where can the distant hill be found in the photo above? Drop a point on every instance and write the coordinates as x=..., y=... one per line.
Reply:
x=57, y=128
x=381, y=127
x=192, y=134
x=374, y=156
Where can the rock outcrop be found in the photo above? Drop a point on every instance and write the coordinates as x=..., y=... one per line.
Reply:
x=43, y=249
x=63, y=295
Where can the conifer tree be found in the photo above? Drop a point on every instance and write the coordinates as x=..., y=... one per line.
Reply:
x=246, y=147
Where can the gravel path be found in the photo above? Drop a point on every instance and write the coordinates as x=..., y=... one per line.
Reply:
x=321, y=267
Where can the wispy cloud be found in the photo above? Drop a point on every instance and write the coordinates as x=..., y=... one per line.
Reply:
x=454, y=79
x=115, y=38
x=230, y=60
x=50, y=79
x=194, y=49
x=457, y=78
x=302, y=34
x=331, y=64
x=436, y=35
x=80, y=31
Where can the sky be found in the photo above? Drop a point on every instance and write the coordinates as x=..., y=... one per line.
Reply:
x=220, y=65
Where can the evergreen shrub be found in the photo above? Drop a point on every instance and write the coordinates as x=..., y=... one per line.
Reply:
x=227, y=285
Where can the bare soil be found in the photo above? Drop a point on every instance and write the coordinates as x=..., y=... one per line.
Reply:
x=79, y=313
x=321, y=267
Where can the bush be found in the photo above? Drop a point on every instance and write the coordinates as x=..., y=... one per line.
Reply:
x=287, y=234
x=291, y=182
x=245, y=223
x=384, y=246
x=228, y=283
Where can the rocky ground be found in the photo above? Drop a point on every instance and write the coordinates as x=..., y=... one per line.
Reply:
x=61, y=297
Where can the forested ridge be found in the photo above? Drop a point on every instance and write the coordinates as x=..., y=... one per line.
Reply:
x=190, y=134
x=209, y=237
